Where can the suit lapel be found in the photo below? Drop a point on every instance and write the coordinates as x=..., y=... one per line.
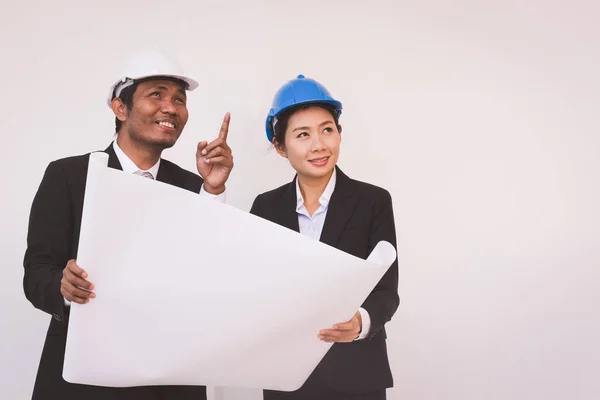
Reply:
x=113, y=160
x=287, y=208
x=165, y=174
x=340, y=209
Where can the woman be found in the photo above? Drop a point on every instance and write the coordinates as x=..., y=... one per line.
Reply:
x=325, y=204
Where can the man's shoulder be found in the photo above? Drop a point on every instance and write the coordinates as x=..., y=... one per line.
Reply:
x=174, y=168
x=185, y=178
x=71, y=161
x=69, y=165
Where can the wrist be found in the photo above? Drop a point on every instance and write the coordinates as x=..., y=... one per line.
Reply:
x=214, y=190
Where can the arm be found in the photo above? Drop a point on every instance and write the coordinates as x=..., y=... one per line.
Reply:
x=383, y=301
x=48, y=243
x=217, y=197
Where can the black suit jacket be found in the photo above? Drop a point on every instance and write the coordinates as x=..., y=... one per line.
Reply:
x=358, y=217
x=52, y=240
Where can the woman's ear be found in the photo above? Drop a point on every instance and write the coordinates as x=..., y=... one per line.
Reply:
x=279, y=148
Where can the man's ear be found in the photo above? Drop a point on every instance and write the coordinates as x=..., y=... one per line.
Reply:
x=119, y=108
x=279, y=148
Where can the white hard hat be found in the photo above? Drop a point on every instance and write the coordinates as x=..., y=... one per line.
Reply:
x=145, y=64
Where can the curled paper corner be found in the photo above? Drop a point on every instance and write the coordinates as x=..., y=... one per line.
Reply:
x=68, y=376
x=383, y=254
x=293, y=387
x=99, y=158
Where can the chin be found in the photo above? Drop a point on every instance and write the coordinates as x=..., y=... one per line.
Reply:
x=165, y=143
x=319, y=172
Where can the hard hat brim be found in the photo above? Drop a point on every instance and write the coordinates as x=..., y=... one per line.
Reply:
x=334, y=103
x=191, y=83
x=337, y=105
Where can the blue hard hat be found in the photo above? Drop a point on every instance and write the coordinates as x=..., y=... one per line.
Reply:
x=296, y=92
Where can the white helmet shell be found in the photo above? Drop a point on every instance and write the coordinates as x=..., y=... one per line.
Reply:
x=146, y=64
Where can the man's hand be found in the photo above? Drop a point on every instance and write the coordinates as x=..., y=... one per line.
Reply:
x=343, y=332
x=214, y=160
x=73, y=286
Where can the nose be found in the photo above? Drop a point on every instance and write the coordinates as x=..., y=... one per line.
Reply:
x=317, y=143
x=168, y=107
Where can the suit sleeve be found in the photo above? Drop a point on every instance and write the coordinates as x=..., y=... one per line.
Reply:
x=383, y=301
x=48, y=243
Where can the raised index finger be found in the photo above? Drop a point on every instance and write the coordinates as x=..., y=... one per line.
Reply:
x=225, y=126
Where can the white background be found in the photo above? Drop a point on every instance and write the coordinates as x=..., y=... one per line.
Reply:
x=480, y=117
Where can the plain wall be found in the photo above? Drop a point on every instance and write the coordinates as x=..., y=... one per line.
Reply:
x=480, y=118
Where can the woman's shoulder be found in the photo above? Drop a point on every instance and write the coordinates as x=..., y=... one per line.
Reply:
x=274, y=193
x=274, y=196
x=265, y=201
x=365, y=189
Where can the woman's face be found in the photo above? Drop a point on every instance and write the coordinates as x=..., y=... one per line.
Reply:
x=312, y=142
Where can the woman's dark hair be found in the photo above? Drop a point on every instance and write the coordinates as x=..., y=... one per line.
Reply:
x=284, y=118
x=126, y=94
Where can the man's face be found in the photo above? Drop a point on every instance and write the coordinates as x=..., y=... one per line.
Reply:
x=158, y=114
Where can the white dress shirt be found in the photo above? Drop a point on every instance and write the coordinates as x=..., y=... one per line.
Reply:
x=313, y=226
x=129, y=167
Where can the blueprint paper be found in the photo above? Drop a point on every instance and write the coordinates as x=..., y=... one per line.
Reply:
x=191, y=291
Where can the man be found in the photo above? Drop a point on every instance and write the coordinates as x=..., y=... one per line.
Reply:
x=149, y=104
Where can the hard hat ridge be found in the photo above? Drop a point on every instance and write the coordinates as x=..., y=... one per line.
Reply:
x=299, y=91
x=146, y=64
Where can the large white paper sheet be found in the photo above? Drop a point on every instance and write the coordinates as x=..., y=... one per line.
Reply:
x=191, y=291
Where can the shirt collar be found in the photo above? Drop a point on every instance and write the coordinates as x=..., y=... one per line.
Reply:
x=128, y=165
x=325, y=196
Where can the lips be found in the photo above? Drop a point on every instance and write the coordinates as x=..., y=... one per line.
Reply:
x=319, y=162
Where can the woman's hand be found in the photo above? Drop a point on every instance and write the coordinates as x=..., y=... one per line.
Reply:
x=344, y=332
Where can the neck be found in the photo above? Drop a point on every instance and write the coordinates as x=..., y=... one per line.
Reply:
x=312, y=188
x=143, y=156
